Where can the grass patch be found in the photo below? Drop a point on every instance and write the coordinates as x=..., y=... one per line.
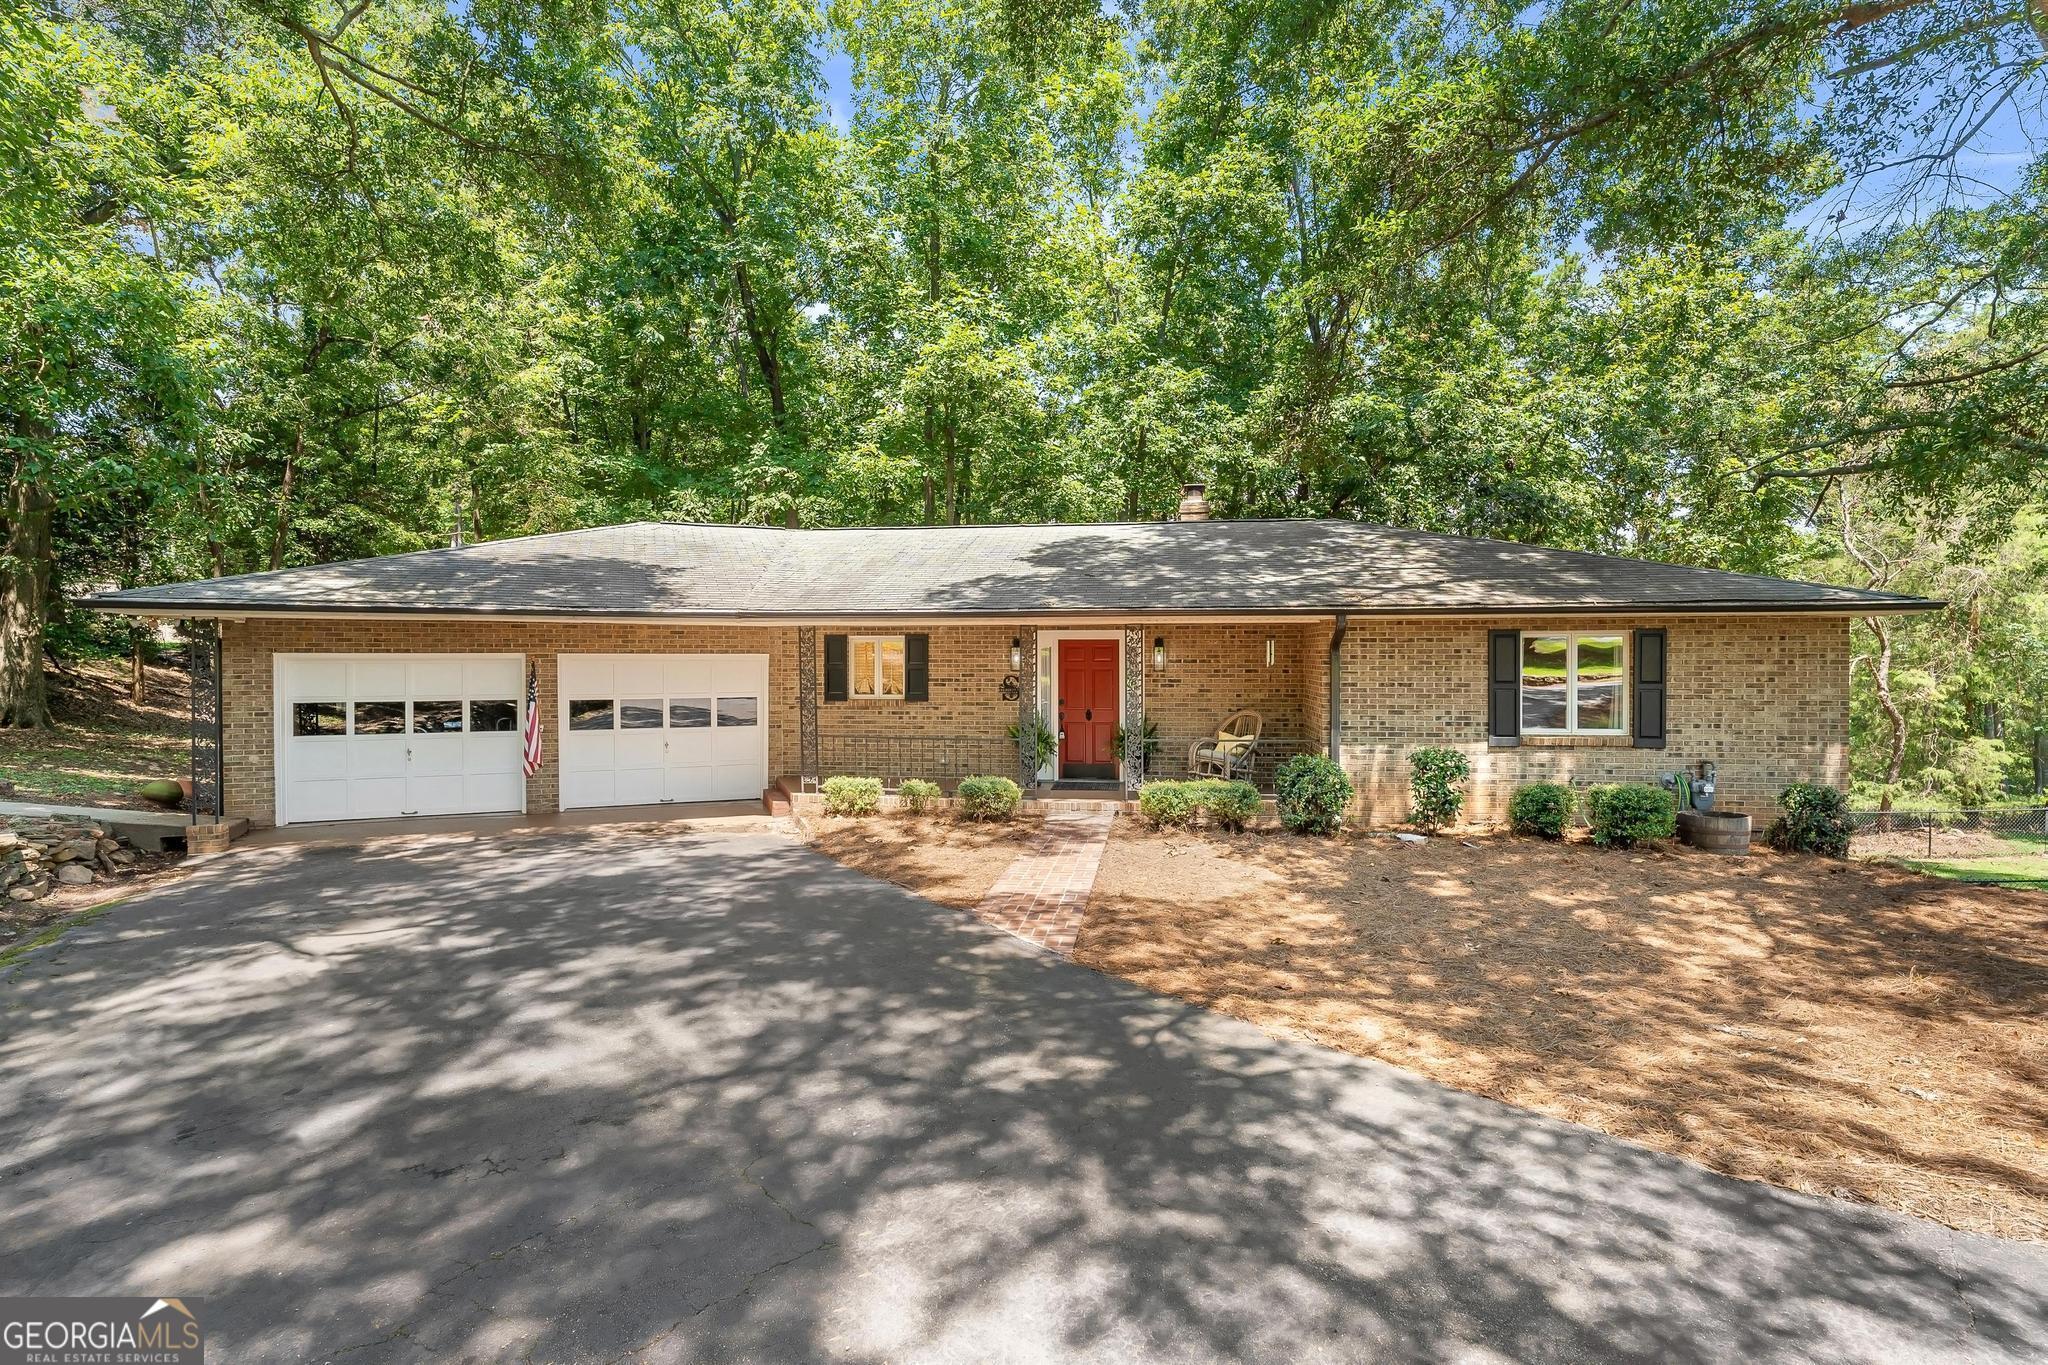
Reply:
x=55, y=930
x=2020, y=870
x=103, y=746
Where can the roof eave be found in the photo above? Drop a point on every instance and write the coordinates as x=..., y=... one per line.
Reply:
x=172, y=608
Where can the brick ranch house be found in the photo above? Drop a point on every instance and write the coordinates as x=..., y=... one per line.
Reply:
x=678, y=663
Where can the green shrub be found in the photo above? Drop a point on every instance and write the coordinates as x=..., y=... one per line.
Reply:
x=1314, y=794
x=1230, y=805
x=987, y=798
x=1167, y=803
x=917, y=795
x=1816, y=820
x=1435, y=798
x=1627, y=813
x=852, y=795
x=1541, y=808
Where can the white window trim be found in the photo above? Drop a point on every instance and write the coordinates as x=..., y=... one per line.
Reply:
x=853, y=643
x=1571, y=685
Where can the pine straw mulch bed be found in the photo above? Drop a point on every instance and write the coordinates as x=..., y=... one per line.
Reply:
x=1852, y=1030
x=953, y=862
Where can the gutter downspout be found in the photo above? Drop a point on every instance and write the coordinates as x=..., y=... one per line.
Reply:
x=1336, y=740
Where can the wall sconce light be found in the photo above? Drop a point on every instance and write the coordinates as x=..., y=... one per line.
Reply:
x=1016, y=653
x=1159, y=651
x=1269, y=651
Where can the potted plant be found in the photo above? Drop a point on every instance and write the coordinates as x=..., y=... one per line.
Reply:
x=1044, y=743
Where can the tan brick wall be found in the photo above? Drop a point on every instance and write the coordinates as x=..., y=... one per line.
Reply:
x=1213, y=670
x=248, y=735
x=1765, y=697
x=958, y=732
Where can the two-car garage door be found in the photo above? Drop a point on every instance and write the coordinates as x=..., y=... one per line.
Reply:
x=374, y=736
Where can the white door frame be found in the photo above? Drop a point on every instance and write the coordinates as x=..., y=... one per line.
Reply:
x=280, y=709
x=1049, y=681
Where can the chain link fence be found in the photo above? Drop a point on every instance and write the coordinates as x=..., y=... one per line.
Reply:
x=2003, y=845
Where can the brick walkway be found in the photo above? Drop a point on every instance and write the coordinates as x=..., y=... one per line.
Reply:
x=1044, y=894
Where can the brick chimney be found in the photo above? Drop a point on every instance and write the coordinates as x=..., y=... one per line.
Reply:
x=1194, y=502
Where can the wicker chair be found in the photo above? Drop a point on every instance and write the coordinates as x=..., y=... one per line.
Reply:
x=1233, y=751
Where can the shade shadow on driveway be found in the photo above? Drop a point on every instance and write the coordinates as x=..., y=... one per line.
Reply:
x=575, y=1095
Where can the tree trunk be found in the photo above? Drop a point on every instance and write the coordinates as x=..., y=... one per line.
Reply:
x=284, y=498
x=25, y=601
x=138, y=673
x=1881, y=673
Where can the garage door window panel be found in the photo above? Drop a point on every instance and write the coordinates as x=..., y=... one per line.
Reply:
x=314, y=719
x=734, y=711
x=591, y=714
x=640, y=714
x=437, y=717
x=379, y=718
x=690, y=713
x=493, y=717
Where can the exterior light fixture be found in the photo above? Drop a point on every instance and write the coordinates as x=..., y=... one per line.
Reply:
x=1016, y=653
x=1269, y=651
x=1159, y=651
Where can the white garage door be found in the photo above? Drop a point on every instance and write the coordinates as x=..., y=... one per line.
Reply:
x=639, y=729
x=364, y=737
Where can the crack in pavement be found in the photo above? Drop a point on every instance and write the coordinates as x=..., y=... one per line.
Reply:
x=746, y=1287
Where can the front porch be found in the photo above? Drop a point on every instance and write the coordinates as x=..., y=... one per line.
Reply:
x=1060, y=709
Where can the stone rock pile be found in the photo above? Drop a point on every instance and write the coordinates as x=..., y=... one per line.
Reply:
x=39, y=855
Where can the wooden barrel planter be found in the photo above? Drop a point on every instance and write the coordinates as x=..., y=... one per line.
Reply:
x=1715, y=831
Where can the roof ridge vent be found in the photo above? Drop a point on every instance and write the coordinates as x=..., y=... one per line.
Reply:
x=1194, y=502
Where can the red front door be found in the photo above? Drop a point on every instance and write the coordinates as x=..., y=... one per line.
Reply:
x=1088, y=708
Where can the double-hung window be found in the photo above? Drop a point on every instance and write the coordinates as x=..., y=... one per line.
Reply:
x=1574, y=684
x=875, y=667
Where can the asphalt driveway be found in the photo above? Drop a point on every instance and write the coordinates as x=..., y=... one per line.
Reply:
x=584, y=1095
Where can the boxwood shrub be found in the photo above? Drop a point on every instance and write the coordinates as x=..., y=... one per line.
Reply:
x=1231, y=805
x=852, y=795
x=1627, y=813
x=1435, y=778
x=1816, y=820
x=987, y=798
x=1542, y=809
x=1313, y=794
x=917, y=794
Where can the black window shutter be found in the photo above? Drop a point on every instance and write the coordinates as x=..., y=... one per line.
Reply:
x=1504, y=687
x=835, y=668
x=917, y=668
x=1651, y=667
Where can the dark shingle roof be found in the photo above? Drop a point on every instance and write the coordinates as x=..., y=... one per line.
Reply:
x=1146, y=568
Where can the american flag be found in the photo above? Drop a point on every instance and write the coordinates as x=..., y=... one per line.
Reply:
x=533, y=752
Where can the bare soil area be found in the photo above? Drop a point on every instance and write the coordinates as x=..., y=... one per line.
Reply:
x=1845, y=1029
x=953, y=862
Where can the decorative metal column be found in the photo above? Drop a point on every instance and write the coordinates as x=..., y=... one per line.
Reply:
x=204, y=647
x=807, y=707
x=1027, y=706
x=1134, y=710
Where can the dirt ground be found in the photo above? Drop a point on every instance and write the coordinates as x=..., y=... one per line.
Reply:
x=1845, y=1029
x=103, y=746
x=953, y=862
